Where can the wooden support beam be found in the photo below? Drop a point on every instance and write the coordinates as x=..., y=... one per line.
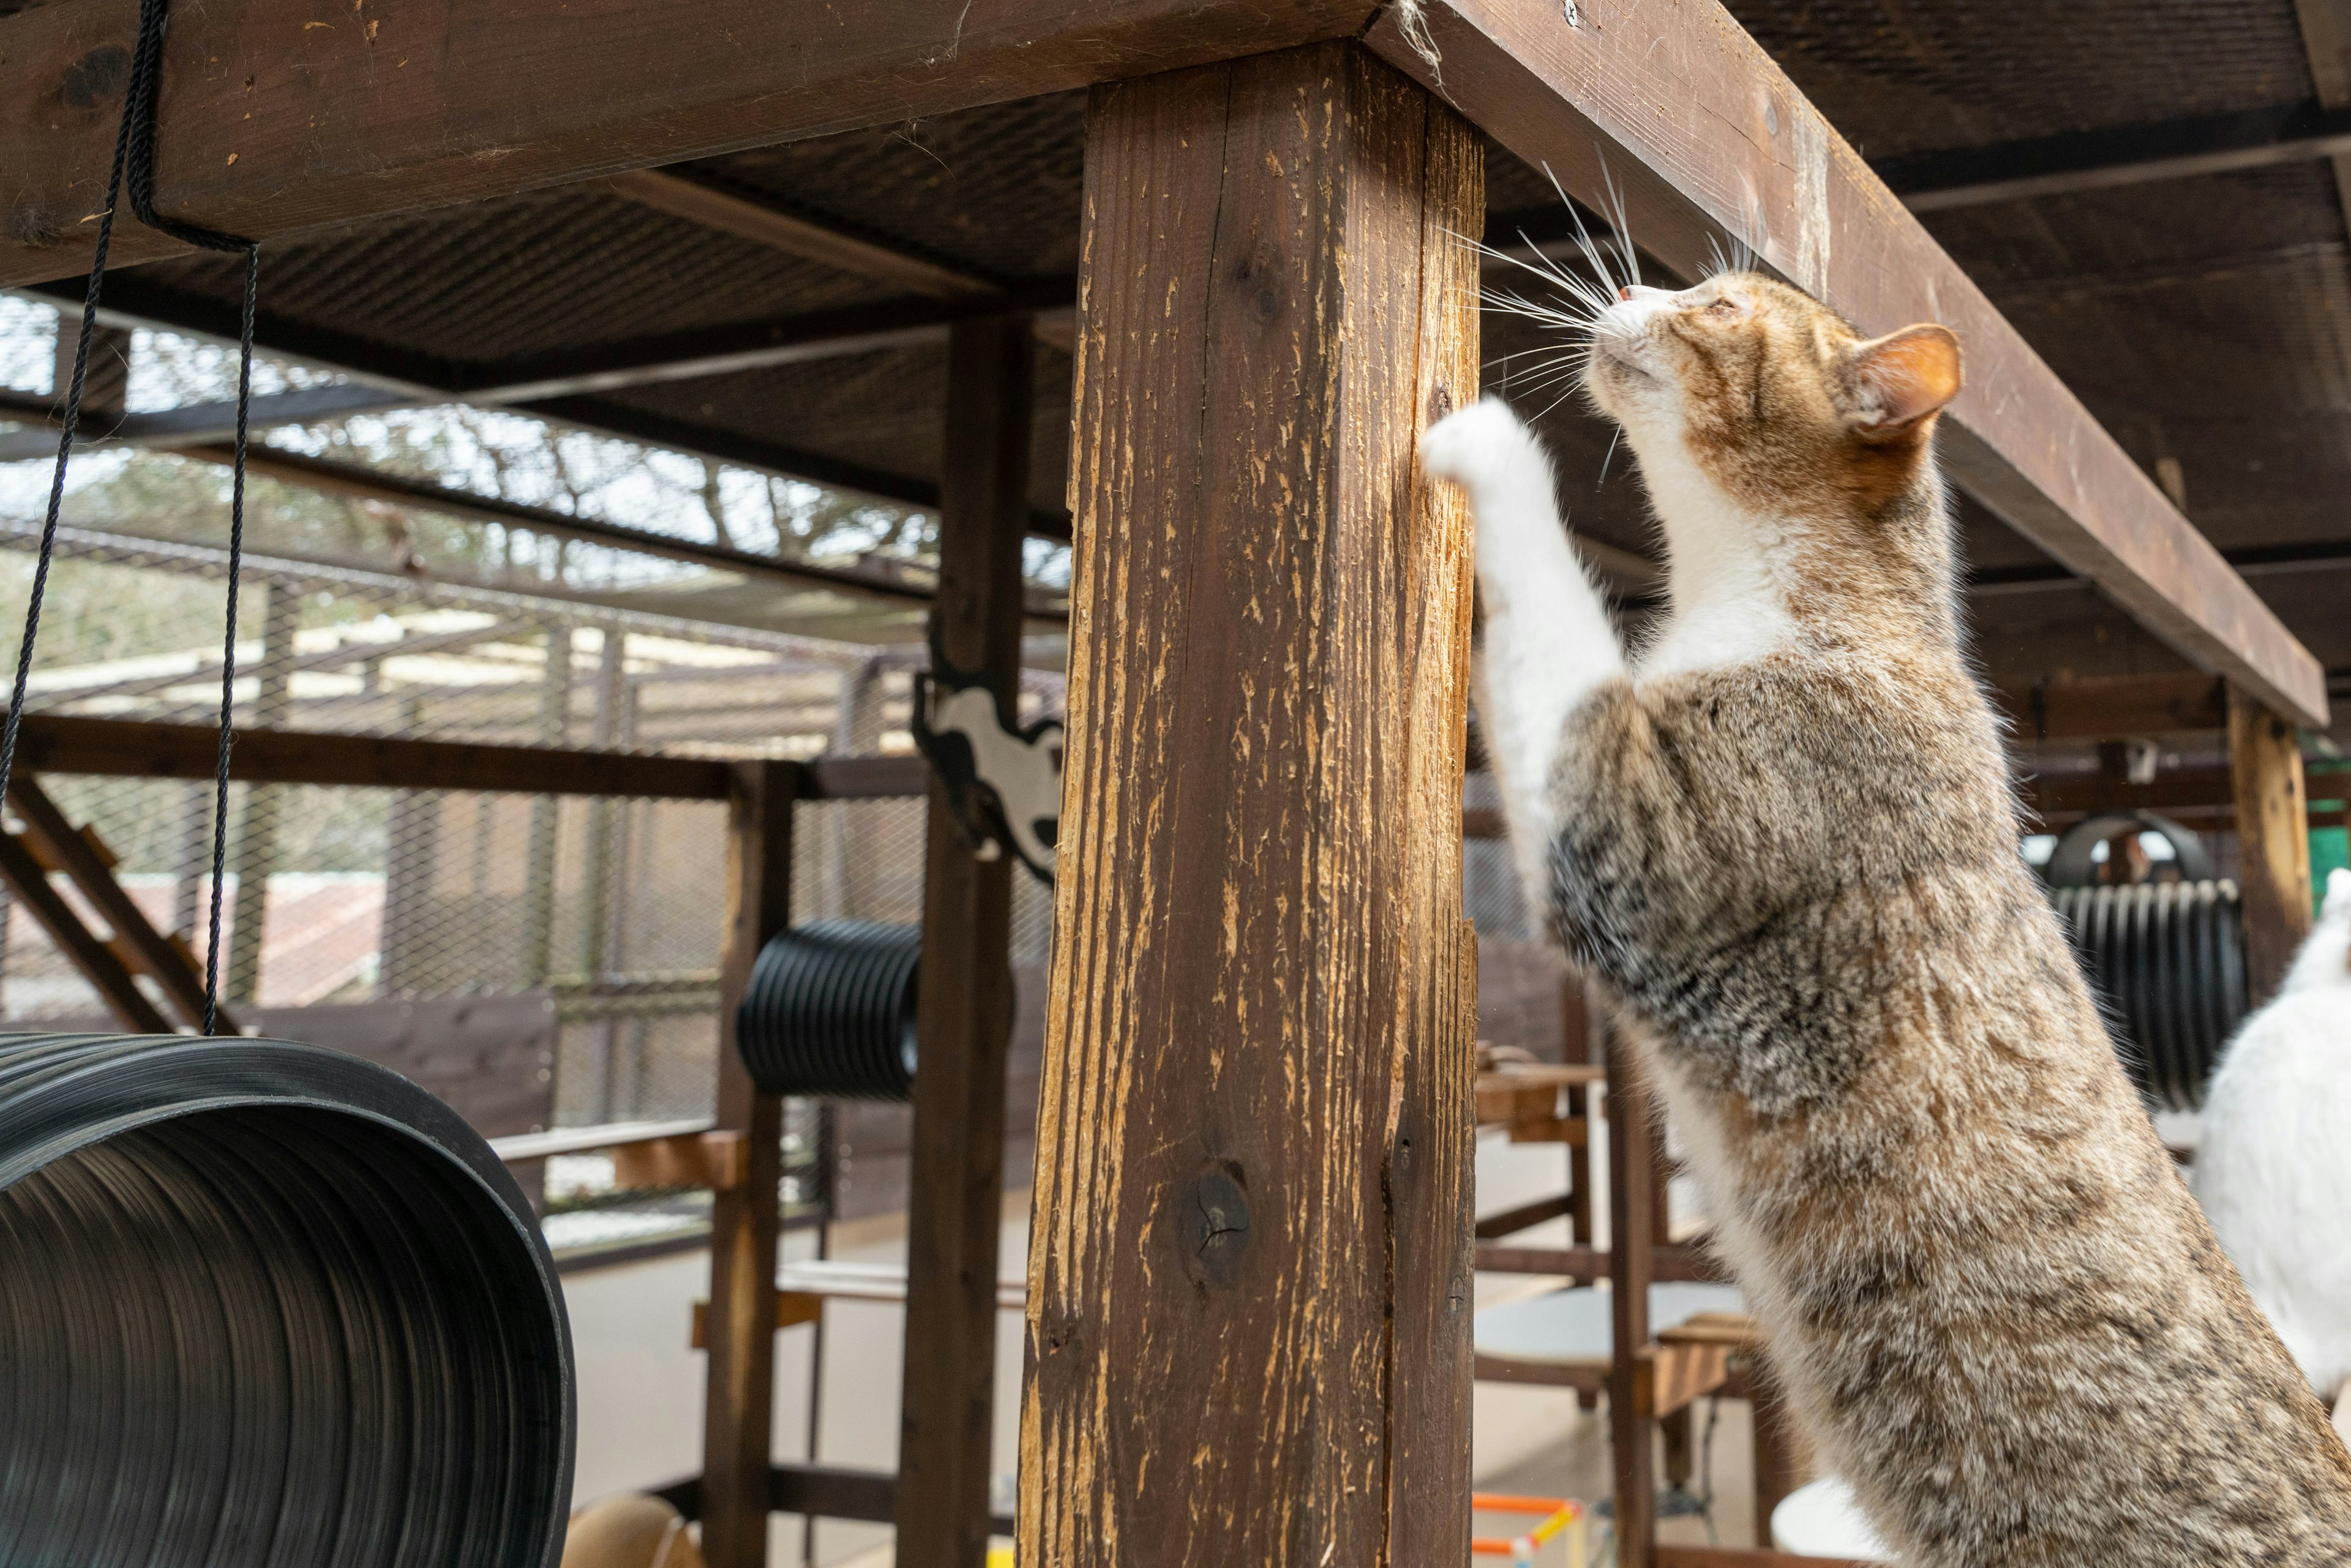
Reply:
x=135, y=748
x=1744, y=1557
x=1631, y=1138
x=272, y=121
x=2272, y=840
x=58, y=842
x=2108, y=707
x=704, y=201
x=30, y=882
x=1580, y=1262
x=1703, y=135
x=746, y=1219
x=1248, y=1315
x=132, y=748
x=2115, y=156
x=964, y=1014
x=718, y=1160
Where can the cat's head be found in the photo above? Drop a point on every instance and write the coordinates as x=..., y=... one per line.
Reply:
x=1744, y=391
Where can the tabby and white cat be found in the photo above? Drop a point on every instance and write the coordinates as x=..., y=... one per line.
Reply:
x=2273, y=1164
x=1783, y=837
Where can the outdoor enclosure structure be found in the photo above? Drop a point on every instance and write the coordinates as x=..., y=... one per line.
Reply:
x=1249, y=1311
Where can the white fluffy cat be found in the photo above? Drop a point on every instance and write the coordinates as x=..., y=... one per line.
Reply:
x=2274, y=1166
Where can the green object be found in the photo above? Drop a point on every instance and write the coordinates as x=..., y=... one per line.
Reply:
x=2330, y=849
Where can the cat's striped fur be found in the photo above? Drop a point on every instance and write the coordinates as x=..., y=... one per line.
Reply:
x=1783, y=838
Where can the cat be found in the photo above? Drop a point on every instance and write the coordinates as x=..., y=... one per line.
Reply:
x=1783, y=838
x=2274, y=1164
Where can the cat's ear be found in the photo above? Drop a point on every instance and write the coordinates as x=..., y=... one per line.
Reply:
x=1902, y=378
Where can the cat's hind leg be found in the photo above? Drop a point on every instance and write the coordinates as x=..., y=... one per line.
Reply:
x=1548, y=641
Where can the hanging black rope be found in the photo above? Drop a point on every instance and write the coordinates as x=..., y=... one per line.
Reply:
x=135, y=159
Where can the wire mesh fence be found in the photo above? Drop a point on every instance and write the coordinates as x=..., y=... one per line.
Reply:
x=570, y=944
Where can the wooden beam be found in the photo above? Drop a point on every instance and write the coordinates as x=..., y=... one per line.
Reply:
x=706, y=202
x=274, y=121
x=105, y=972
x=60, y=844
x=2272, y=841
x=2109, y=707
x=1702, y=135
x=2115, y=156
x=1248, y=1315
x=1666, y=1263
x=1744, y=1557
x=956, y=1211
x=746, y=1219
x=134, y=749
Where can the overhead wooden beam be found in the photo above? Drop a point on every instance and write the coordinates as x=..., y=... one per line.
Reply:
x=275, y=120
x=2117, y=156
x=955, y=1213
x=1703, y=136
x=1250, y=1275
x=706, y=201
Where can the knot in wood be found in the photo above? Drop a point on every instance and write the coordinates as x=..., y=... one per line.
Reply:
x=96, y=77
x=1214, y=1224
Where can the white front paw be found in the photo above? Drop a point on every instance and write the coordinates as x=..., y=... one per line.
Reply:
x=1479, y=446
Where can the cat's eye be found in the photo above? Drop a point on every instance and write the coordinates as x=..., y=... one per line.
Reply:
x=1724, y=311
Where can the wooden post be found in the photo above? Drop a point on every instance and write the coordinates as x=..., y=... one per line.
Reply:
x=965, y=1023
x=1249, y=1285
x=738, y=1407
x=1630, y=1194
x=2272, y=840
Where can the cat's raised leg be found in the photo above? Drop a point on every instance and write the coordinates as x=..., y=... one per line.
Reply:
x=1548, y=641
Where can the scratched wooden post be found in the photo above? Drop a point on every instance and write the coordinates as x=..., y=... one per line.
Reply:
x=2273, y=838
x=1631, y=1138
x=964, y=1024
x=738, y=1404
x=1249, y=1285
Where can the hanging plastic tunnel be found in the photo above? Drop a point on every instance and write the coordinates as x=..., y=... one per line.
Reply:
x=266, y=1303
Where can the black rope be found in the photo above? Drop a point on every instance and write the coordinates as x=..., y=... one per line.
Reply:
x=134, y=157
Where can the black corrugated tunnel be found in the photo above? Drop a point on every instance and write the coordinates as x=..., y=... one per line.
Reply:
x=266, y=1303
x=830, y=1010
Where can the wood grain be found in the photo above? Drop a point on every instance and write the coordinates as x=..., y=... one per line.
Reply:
x=1674, y=105
x=1249, y=1278
x=105, y=972
x=714, y=207
x=282, y=115
x=2272, y=840
x=965, y=1010
x=171, y=965
x=137, y=748
x=744, y=1220
x=1632, y=1137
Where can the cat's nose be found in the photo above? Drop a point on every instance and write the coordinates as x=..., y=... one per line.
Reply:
x=1633, y=291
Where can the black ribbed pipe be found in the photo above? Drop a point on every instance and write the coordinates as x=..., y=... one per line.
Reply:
x=830, y=1012
x=2167, y=962
x=266, y=1303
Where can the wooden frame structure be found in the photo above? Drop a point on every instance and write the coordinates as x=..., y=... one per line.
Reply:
x=1255, y=1146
